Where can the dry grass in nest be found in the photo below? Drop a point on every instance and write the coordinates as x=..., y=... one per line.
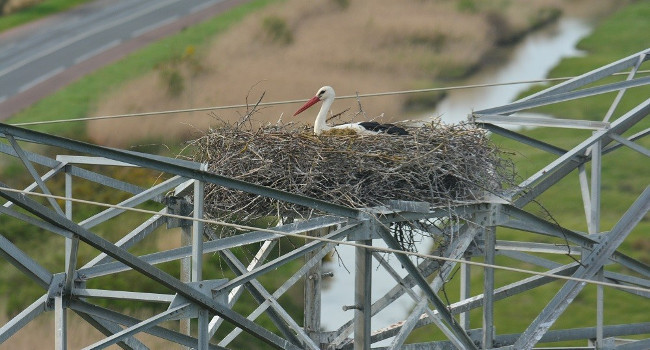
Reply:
x=440, y=164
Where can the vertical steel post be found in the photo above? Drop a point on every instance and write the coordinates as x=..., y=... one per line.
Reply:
x=60, y=315
x=186, y=266
x=489, y=235
x=60, y=318
x=600, y=301
x=362, y=296
x=197, y=261
x=465, y=292
x=596, y=153
x=197, y=233
x=312, y=292
x=68, y=214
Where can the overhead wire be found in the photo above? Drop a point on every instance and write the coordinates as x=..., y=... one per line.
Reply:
x=277, y=103
x=327, y=240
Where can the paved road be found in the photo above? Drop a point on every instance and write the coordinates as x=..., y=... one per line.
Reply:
x=40, y=57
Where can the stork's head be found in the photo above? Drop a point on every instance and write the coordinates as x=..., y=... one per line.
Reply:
x=324, y=93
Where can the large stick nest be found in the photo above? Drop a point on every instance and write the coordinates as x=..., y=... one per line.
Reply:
x=439, y=164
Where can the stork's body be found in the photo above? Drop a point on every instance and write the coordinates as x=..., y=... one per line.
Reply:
x=326, y=94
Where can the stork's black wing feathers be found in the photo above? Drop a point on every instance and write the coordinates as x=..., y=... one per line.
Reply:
x=384, y=128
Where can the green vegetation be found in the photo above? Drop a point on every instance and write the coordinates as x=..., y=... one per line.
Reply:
x=35, y=12
x=277, y=30
x=624, y=176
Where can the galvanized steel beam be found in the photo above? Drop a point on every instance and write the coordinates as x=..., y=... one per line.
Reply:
x=147, y=270
x=176, y=167
x=160, y=332
x=590, y=265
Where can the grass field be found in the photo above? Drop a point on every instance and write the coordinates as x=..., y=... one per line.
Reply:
x=20, y=14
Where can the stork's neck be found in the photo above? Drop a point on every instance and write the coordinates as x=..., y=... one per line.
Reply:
x=320, y=124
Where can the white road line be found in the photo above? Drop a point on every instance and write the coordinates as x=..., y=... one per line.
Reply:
x=203, y=6
x=41, y=79
x=151, y=27
x=97, y=51
x=86, y=34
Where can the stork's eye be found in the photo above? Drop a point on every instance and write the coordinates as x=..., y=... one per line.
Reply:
x=321, y=92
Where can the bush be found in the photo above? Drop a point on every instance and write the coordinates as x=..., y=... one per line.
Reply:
x=277, y=30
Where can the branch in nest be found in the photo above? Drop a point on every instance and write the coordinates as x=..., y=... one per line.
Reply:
x=338, y=114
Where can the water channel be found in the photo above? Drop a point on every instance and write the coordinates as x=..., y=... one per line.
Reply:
x=530, y=60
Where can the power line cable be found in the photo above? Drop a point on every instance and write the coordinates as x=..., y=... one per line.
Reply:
x=326, y=240
x=277, y=103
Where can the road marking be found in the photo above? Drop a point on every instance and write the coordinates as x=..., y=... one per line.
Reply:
x=151, y=27
x=203, y=6
x=86, y=34
x=97, y=51
x=41, y=79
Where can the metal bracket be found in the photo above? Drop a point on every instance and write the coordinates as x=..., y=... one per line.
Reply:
x=178, y=206
x=206, y=288
x=56, y=289
x=368, y=230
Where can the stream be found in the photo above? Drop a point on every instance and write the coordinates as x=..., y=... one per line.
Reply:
x=529, y=60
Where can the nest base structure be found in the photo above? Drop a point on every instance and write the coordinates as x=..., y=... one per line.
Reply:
x=439, y=164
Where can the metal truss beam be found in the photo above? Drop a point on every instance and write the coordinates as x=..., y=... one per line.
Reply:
x=429, y=292
x=147, y=270
x=521, y=220
x=276, y=313
x=137, y=328
x=564, y=96
x=160, y=332
x=294, y=254
x=131, y=202
x=582, y=80
x=524, y=139
x=618, y=126
x=558, y=336
x=133, y=237
x=283, y=288
x=236, y=293
x=176, y=167
x=25, y=263
x=590, y=265
x=19, y=321
x=476, y=239
x=109, y=328
x=211, y=246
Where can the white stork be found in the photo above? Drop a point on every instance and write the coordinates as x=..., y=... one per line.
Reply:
x=326, y=94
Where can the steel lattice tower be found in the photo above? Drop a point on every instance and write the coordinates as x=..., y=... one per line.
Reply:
x=210, y=300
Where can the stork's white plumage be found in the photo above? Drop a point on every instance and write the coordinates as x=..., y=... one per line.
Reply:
x=326, y=94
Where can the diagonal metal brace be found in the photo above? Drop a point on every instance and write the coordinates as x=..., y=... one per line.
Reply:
x=147, y=270
x=591, y=264
x=446, y=316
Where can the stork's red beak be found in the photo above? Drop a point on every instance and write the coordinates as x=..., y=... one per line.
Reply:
x=307, y=105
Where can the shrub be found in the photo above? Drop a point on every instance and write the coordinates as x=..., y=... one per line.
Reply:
x=277, y=30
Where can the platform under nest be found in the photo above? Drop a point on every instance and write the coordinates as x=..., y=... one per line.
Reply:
x=437, y=163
